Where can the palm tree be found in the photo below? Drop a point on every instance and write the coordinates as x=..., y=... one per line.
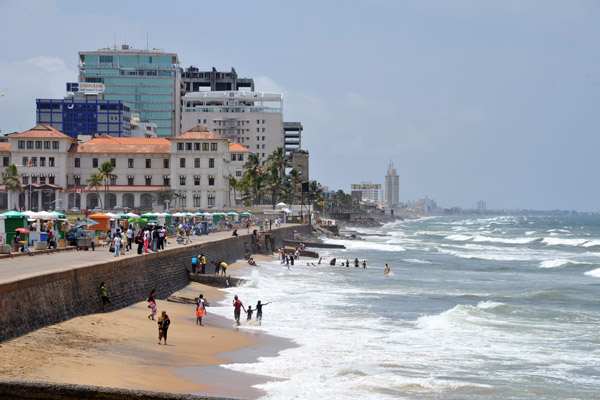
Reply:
x=233, y=184
x=94, y=182
x=253, y=173
x=106, y=171
x=276, y=165
x=12, y=180
x=296, y=179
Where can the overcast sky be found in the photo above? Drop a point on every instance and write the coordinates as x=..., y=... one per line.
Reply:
x=471, y=100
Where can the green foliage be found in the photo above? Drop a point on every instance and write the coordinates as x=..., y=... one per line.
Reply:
x=12, y=179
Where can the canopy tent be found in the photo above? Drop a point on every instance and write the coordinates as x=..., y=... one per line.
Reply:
x=85, y=222
x=187, y=214
x=245, y=214
x=14, y=214
x=122, y=215
x=131, y=215
x=281, y=205
x=151, y=217
x=179, y=215
x=31, y=214
x=165, y=218
x=232, y=214
x=103, y=222
x=140, y=222
x=59, y=214
x=207, y=215
x=46, y=215
x=13, y=220
x=199, y=214
x=111, y=215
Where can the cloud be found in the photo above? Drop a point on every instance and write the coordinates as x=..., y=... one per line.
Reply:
x=24, y=81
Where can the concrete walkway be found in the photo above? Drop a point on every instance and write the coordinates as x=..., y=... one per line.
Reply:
x=18, y=268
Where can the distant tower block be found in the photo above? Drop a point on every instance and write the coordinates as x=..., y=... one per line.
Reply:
x=392, y=186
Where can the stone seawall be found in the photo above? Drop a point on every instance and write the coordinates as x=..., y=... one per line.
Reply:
x=44, y=300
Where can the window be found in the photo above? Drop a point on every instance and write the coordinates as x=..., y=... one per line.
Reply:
x=188, y=146
x=38, y=144
x=51, y=180
x=211, y=180
x=240, y=157
x=51, y=161
x=180, y=146
x=263, y=138
x=113, y=181
x=77, y=180
x=30, y=144
x=148, y=180
x=43, y=180
x=148, y=163
x=258, y=121
x=263, y=129
x=196, y=180
x=213, y=146
x=55, y=144
x=34, y=179
x=94, y=162
x=257, y=138
x=258, y=146
x=77, y=163
x=33, y=161
x=113, y=161
x=166, y=181
x=42, y=161
x=166, y=163
x=182, y=163
x=130, y=163
x=196, y=163
x=197, y=146
x=263, y=146
x=46, y=144
x=257, y=129
x=205, y=146
x=233, y=157
x=130, y=180
x=25, y=180
x=196, y=200
x=182, y=180
x=211, y=200
x=21, y=144
x=182, y=201
x=5, y=161
x=211, y=163
x=238, y=173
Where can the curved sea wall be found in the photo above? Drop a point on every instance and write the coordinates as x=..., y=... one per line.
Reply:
x=47, y=299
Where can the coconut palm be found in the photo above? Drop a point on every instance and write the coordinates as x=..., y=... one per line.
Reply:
x=12, y=179
x=233, y=184
x=276, y=165
x=106, y=171
x=94, y=182
x=295, y=178
x=253, y=174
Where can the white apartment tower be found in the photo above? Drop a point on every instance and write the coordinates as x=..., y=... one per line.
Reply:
x=392, y=186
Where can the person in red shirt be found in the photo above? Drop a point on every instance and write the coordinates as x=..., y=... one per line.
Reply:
x=237, y=305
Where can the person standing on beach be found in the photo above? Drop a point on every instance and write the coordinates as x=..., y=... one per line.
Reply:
x=200, y=310
x=153, y=308
x=237, y=305
x=163, y=326
x=104, y=294
x=259, y=307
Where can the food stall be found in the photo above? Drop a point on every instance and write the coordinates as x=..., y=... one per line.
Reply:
x=13, y=220
x=102, y=226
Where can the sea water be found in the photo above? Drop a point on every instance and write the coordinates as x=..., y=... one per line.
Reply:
x=473, y=308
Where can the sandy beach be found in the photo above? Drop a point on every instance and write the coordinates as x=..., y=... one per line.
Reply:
x=119, y=349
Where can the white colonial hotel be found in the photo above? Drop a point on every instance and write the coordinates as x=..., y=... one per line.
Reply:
x=55, y=167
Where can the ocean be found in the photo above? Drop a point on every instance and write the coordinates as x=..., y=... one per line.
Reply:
x=473, y=308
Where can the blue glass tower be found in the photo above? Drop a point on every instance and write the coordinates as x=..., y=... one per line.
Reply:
x=149, y=80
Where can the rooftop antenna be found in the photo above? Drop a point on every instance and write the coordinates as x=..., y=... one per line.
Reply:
x=115, y=44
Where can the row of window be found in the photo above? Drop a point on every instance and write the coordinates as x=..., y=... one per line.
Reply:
x=33, y=161
x=34, y=179
x=196, y=179
x=196, y=146
x=211, y=163
x=148, y=180
x=113, y=161
x=38, y=144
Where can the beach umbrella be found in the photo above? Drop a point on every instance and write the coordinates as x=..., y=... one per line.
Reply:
x=232, y=214
x=31, y=214
x=111, y=215
x=23, y=230
x=59, y=214
x=280, y=205
x=46, y=215
x=14, y=214
x=132, y=215
x=146, y=215
x=179, y=215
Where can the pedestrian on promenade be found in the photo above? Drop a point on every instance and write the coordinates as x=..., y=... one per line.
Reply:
x=259, y=314
x=146, y=239
x=237, y=305
x=129, y=237
x=117, y=242
x=161, y=238
x=163, y=326
x=194, y=264
x=139, y=239
x=104, y=295
x=124, y=240
x=235, y=233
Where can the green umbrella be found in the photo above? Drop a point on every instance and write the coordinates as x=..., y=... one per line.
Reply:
x=14, y=214
x=59, y=214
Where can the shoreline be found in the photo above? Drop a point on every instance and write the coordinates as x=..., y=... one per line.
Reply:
x=118, y=349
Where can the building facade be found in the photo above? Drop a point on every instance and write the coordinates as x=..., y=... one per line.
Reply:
x=292, y=136
x=56, y=168
x=392, y=186
x=149, y=80
x=81, y=114
x=252, y=119
x=195, y=80
x=367, y=191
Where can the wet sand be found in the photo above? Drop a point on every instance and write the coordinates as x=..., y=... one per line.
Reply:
x=119, y=349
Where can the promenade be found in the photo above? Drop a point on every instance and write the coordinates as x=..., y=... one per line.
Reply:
x=18, y=268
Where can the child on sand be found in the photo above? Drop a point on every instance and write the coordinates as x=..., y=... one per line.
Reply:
x=153, y=309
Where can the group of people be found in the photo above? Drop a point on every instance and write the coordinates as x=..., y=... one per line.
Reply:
x=333, y=262
x=151, y=238
x=238, y=306
x=163, y=321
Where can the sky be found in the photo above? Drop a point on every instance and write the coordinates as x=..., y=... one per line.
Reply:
x=470, y=100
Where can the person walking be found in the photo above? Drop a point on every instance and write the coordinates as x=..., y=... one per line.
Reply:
x=200, y=310
x=129, y=237
x=139, y=239
x=124, y=240
x=117, y=242
x=153, y=308
x=104, y=295
x=146, y=239
x=237, y=305
x=163, y=326
x=259, y=313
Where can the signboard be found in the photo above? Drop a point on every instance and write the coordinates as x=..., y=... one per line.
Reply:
x=85, y=87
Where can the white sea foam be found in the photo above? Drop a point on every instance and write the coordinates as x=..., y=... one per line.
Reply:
x=518, y=240
x=591, y=243
x=417, y=261
x=595, y=273
x=559, y=241
x=459, y=238
x=555, y=263
x=529, y=233
x=489, y=304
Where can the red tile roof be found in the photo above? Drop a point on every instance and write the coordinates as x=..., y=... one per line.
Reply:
x=120, y=145
x=196, y=133
x=5, y=146
x=41, y=131
x=237, y=147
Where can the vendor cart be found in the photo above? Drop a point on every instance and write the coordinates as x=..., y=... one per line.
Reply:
x=85, y=240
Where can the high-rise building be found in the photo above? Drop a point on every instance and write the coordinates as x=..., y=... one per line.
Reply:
x=252, y=119
x=85, y=114
x=292, y=136
x=481, y=206
x=367, y=191
x=392, y=186
x=149, y=80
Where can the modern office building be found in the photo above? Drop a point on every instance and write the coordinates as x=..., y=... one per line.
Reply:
x=149, y=80
x=367, y=191
x=392, y=186
x=85, y=114
x=195, y=80
x=252, y=119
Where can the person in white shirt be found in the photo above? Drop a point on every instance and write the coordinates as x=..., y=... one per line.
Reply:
x=117, y=242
